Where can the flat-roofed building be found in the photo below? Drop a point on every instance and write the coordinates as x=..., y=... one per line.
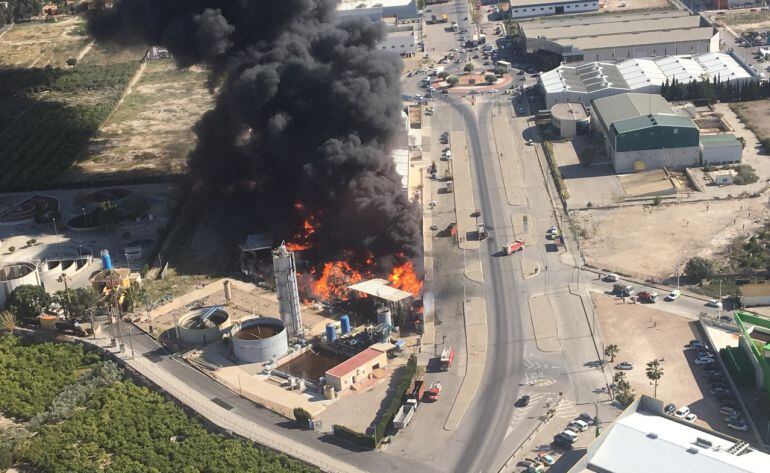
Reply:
x=721, y=148
x=641, y=131
x=535, y=8
x=401, y=39
x=357, y=368
x=378, y=9
x=644, y=439
x=614, y=37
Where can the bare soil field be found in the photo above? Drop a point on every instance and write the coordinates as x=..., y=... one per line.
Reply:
x=755, y=115
x=653, y=241
x=151, y=130
x=740, y=21
x=38, y=44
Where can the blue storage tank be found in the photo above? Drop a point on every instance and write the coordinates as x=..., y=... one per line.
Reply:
x=331, y=332
x=106, y=260
x=345, y=324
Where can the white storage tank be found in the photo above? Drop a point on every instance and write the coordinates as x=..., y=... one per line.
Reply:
x=14, y=275
x=259, y=340
x=203, y=325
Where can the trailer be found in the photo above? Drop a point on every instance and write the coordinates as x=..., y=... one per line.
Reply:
x=418, y=390
x=405, y=414
x=447, y=357
x=511, y=248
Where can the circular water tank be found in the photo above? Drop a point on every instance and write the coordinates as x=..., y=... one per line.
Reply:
x=384, y=316
x=194, y=331
x=259, y=340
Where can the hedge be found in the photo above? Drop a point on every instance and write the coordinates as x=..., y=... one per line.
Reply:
x=356, y=437
x=397, y=399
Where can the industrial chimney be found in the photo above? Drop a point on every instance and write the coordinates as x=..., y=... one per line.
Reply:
x=288, y=293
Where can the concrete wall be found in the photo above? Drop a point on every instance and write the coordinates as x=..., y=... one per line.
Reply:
x=8, y=285
x=755, y=301
x=656, y=158
x=545, y=9
x=261, y=350
x=721, y=153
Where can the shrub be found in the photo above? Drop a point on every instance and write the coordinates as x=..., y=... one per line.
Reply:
x=356, y=437
x=452, y=81
x=11, y=249
x=5, y=457
x=698, y=269
x=490, y=78
x=746, y=175
x=302, y=416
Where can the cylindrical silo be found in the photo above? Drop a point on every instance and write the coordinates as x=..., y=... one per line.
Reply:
x=202, y=326
x=345, y=324
x=106, y=260
x=331, y=332
x=259, y=340
x=384, y=316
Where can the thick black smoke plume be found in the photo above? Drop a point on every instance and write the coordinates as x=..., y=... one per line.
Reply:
x=306, y=113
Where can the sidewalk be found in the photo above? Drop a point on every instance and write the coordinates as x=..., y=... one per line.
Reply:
x=223, y=418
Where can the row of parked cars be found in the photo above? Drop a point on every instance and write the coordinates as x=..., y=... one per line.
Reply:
x=719, y=387
x=568, y=436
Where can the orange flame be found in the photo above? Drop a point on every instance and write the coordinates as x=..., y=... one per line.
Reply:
x=334, y=281
x=303, y=240
x=403, y=277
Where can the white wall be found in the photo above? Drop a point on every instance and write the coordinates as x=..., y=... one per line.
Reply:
x=656, y=158
x=400, y=43
x=721, y=153
x=550, y=9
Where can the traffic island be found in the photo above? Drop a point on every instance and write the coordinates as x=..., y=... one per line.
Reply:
x=465, y=209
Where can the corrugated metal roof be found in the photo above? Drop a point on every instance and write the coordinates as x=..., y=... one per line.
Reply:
x=647, y=121
x=623, y=106
x=720, y=138
x=352, y=364
x=382, y=289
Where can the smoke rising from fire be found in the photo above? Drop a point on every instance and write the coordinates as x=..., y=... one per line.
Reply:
x=304, y=119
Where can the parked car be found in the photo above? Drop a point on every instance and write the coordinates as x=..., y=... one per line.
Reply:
x=523, y=401
x=719, y=390
x=696, y=344
x=673, y=295
x=740, y=427
x=611, y=277
x=561, y=442
x=587, y=418
x=581, y=426
x=729, y=411
x=623, y=366
x=682, y=412
x=569, y=435
x=710, y=372
x=704, y=361
x=691, y=417
x=670, y=408
x=546, y=459
x=735, y=419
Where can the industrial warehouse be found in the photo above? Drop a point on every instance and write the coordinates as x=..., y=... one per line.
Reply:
x=642, y=131
x=586, y=82
x=535, y=8
x=620, y=36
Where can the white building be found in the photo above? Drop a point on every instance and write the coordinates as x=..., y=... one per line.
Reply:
x=614, y=37
x=378, y=9
x=535, y=8
x=722, y=148
x=586, y=82
x=643, y=439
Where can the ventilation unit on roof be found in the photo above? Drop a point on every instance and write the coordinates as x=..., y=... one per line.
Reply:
x=703, y=443
x=652, y=435
x=693, y=450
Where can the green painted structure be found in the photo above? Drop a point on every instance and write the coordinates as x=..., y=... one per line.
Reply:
x=755, y=342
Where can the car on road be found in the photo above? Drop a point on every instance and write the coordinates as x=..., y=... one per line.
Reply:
x=624, y=365
x=523, y=401
x=682, y=412
x=611, y=277
x=670, y=408
x=739, y=427
x=673, y=295
x=691, y=417
x=714, y=303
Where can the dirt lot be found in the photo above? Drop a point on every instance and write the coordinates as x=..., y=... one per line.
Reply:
x=755, y=116
x=150, y=133
x=740, y=21
x=38, y=44
x=615, y=5
x=652, y=241
x=643, y=333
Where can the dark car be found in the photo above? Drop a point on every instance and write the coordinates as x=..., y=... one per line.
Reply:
x=711, y=372
x=587, y=418
x=523, y=401
x=696, y=344
x=669, y=408
x=562, y=442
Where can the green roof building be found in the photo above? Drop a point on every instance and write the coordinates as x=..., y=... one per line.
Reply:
x=642, y=131
x=755, y=342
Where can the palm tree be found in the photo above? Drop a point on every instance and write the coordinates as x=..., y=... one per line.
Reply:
x=654, y=372
x=611, y=351
x=8, y=321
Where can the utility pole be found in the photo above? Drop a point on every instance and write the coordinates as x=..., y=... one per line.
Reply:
x=596, y=419
x=719, y=302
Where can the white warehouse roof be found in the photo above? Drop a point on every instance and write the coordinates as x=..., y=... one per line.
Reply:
x=638, y=73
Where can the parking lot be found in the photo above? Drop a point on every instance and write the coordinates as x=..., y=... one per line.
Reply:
x=642, y=334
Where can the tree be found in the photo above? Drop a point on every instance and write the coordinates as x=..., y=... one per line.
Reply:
x=452, y=81
x=133, y=297
x=77, y=302
x=611, y=351
x=106, y=213
x=622, y=390
x=23, y=9
x=6, y=461
x=28, y=301
x=500, y=70
x=8, y=321
x=654, y=372
x=490, y=78
x=698, y=269
x=468, y=67
x=443, y=74
x=302, y=416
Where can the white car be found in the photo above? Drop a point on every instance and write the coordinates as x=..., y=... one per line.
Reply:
x=673, y=295
x=581, y=426
x=715, y=303
x=704, y=361
x=612, y=277
x=740, y=427
x=570, y=435
x=624, y=366
x=682, y=412
x=691, y=417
